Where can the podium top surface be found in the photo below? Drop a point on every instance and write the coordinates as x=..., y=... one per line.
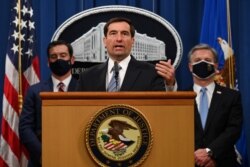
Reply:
x=118, y=95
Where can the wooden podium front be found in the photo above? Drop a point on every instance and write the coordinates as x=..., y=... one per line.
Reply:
x=66, y=115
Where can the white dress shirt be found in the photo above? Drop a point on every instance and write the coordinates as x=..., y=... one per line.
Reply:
x=56, y=82
x=210, y=90
x=123, y=64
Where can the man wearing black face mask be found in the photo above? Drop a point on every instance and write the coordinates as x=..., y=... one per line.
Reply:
x=60, y=60
x=218, y=112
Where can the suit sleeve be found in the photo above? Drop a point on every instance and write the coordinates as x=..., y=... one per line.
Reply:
x=158, y=83
x=29, y=120
x=79, y=84
x=226, y=140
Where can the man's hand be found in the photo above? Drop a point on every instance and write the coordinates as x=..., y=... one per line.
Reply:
x=167, y=71
x=202, y=159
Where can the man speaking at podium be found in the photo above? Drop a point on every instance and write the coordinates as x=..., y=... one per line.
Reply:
x=122, y=72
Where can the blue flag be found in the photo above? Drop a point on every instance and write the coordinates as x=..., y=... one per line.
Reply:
x=214, y=25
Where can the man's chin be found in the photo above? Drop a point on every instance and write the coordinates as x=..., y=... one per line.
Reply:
x=119, y=57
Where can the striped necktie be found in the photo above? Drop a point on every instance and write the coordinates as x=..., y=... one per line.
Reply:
x=114, y=84
x=203, y=106
x=60, y=87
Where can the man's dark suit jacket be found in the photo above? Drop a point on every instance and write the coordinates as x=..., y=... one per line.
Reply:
x=140, y=76
x=223, y=126
x=30, y=119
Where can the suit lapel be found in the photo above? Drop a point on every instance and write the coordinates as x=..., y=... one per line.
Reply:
x=100, y=81
x=72, y=84
x=217, y=94
x=47, y=86
x=131, y=74
x=198, y=124
x=198, y=119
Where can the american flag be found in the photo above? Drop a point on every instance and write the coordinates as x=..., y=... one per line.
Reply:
x=21, y=71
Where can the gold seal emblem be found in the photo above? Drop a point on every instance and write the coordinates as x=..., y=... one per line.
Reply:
x=119, y=135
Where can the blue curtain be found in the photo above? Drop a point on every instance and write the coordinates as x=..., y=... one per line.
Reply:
x=243, y=52
x=185, y=16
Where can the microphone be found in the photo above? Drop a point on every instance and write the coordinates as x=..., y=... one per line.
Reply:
x=116, y=70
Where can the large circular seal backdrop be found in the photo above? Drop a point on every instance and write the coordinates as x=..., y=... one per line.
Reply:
x=145, y=22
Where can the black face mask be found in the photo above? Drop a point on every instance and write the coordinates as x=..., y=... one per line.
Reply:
x=203, y=69
x=60, y=67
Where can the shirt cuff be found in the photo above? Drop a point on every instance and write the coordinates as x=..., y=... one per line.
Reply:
x=171, y=88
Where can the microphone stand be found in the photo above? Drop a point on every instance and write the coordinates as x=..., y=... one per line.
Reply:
x=116, y=70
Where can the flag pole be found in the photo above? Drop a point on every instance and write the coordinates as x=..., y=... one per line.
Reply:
x=20, y=93
x=231, y=58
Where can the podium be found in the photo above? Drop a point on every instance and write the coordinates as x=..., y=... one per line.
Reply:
x=65, y=116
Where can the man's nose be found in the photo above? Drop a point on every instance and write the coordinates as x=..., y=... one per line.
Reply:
x=119, y=37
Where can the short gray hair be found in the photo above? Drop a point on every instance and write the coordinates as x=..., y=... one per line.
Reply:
x=200, y=47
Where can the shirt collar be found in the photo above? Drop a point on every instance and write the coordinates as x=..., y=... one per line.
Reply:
x=124, y=63
x=66, y=81
x=210, y=88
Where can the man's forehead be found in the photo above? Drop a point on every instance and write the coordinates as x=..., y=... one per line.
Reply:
x=59, y=48
x=202, y=53
x=116, y=25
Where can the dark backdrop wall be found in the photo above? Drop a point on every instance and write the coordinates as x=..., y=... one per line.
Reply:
x=185, y=16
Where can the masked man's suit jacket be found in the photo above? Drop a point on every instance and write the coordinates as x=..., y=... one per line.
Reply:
x=140, y=76
x=223, y=126
x=30, y=119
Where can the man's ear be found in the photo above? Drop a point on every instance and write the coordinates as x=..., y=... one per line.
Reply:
x=216, y=68
x=133, y=40
x=190, y=67
x=104, y=41
x=72, y=59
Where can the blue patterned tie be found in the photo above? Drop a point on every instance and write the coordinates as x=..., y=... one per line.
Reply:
x=114, y=84
x=203, y=106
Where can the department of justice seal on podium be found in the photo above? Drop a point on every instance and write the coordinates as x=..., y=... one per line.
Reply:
x=119, y=135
